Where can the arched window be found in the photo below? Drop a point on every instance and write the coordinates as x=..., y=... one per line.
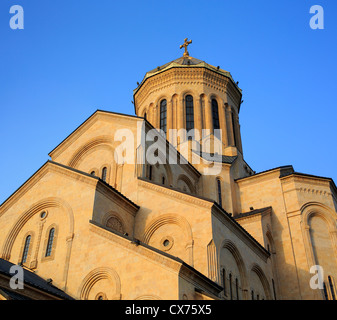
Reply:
x=224, y=280
x=163, y=111
x=104, y=172
x=215, y=115
x=252, y=293
x=332, y=289
x=189, y=113
x=25, y=249
x=50, y=242
x=93, y=173
x=145, y=115
x=218, y=182
x=230, y=286
x=237, y=288
x=163, y=180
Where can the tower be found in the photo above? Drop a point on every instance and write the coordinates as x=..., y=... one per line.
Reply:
x=188, y=93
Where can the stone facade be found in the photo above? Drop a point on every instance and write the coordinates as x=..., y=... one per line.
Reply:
x=105, y=225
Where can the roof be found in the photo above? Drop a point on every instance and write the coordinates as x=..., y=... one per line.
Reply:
x=253, y=212
x=216, y=157
x=33, y=280
x=160, y=252
x=184, y=62
x=50, y=162
x=87, y=120
x=97, y=178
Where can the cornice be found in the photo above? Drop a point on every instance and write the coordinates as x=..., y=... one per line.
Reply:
x=199, y=280
x=241, y=233
x=257, y=178
x=117, y=198
x=29, y=290
x=99, y=114
x=140, y=248
x=181, y=76
x=38, y=175
x=176, y=194
x=166, y=261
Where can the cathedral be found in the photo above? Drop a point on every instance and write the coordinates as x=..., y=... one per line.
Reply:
x=161, y=205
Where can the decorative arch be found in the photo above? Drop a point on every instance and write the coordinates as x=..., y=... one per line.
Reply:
x=157, y=222
x=308, y=211
x=189, y=183
x=24, y=217
x=230, y=246
x=113, y=215
x=106, y=141
x=99, y=274
x=257, y=269
x=148, y=297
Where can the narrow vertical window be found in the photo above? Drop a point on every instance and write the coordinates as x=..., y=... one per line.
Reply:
x=189, y=113
x=104, y=172
x=50, y=242
x=150, y=172
x=25, y=250
x=163, y=180
x=237, y=288
x=163, y=111
x=257, y=297
x=224, y=280
x=215, y=114
x=273, y=282
x=230, y=286
x=325, y=291
x=218, y=181
x=234, y=133
x=332, y=289
x=145, y=115
x=252, y=293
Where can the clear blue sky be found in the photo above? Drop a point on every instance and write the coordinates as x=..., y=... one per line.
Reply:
x=76, y=56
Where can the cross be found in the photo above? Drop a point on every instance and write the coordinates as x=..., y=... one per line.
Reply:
x=186, y=43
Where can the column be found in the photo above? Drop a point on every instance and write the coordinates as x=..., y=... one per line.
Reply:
x=180, y=120
x=198, y=116
x=169, y=123
x=223, y=124
x=208, y=114
x=237, y=131
x=230, y=126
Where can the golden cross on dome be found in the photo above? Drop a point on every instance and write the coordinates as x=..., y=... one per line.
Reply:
x=186, y=43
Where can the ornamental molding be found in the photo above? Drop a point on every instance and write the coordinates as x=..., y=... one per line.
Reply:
x=180, y=76
x=174, y=194
x=79, y=131
x=258, y=178
x=48, y=167
x=117, y=198
x=139, y=249
x=311, y=191
x=242, y=234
